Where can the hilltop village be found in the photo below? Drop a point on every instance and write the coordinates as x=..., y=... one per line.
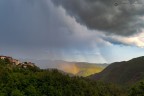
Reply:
x=17, y=62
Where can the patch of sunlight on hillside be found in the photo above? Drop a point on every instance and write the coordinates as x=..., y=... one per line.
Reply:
x=69, y=68
x=80, y=69
x=89, y=71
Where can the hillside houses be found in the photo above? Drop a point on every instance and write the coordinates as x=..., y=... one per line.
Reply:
x=12, y=60
x=17, y=62
x=27, y=64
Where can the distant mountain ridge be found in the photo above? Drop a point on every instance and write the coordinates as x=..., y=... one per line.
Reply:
x=126, y=72
x=76, y=68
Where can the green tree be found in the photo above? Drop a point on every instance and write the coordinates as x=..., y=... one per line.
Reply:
x=31, y=91
x=17, y=92
x=137, y=90
x=7, y=61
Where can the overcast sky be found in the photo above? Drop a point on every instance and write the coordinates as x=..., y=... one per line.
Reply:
x=72, y=30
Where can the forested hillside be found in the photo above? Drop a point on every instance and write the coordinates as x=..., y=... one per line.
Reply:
x=123, y=73
x=32, y=81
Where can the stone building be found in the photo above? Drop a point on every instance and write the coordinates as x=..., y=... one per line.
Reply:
x=14, y=61
x=4, y=57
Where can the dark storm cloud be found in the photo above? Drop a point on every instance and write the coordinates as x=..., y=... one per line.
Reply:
x=28, y=22
x=39, y=24
x=103, y=15
x=38, y=29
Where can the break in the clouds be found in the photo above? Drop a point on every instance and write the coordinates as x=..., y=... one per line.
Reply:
x=124, y=19
x=76, y=30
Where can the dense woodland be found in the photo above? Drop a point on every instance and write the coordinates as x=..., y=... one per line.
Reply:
x=32, y=81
